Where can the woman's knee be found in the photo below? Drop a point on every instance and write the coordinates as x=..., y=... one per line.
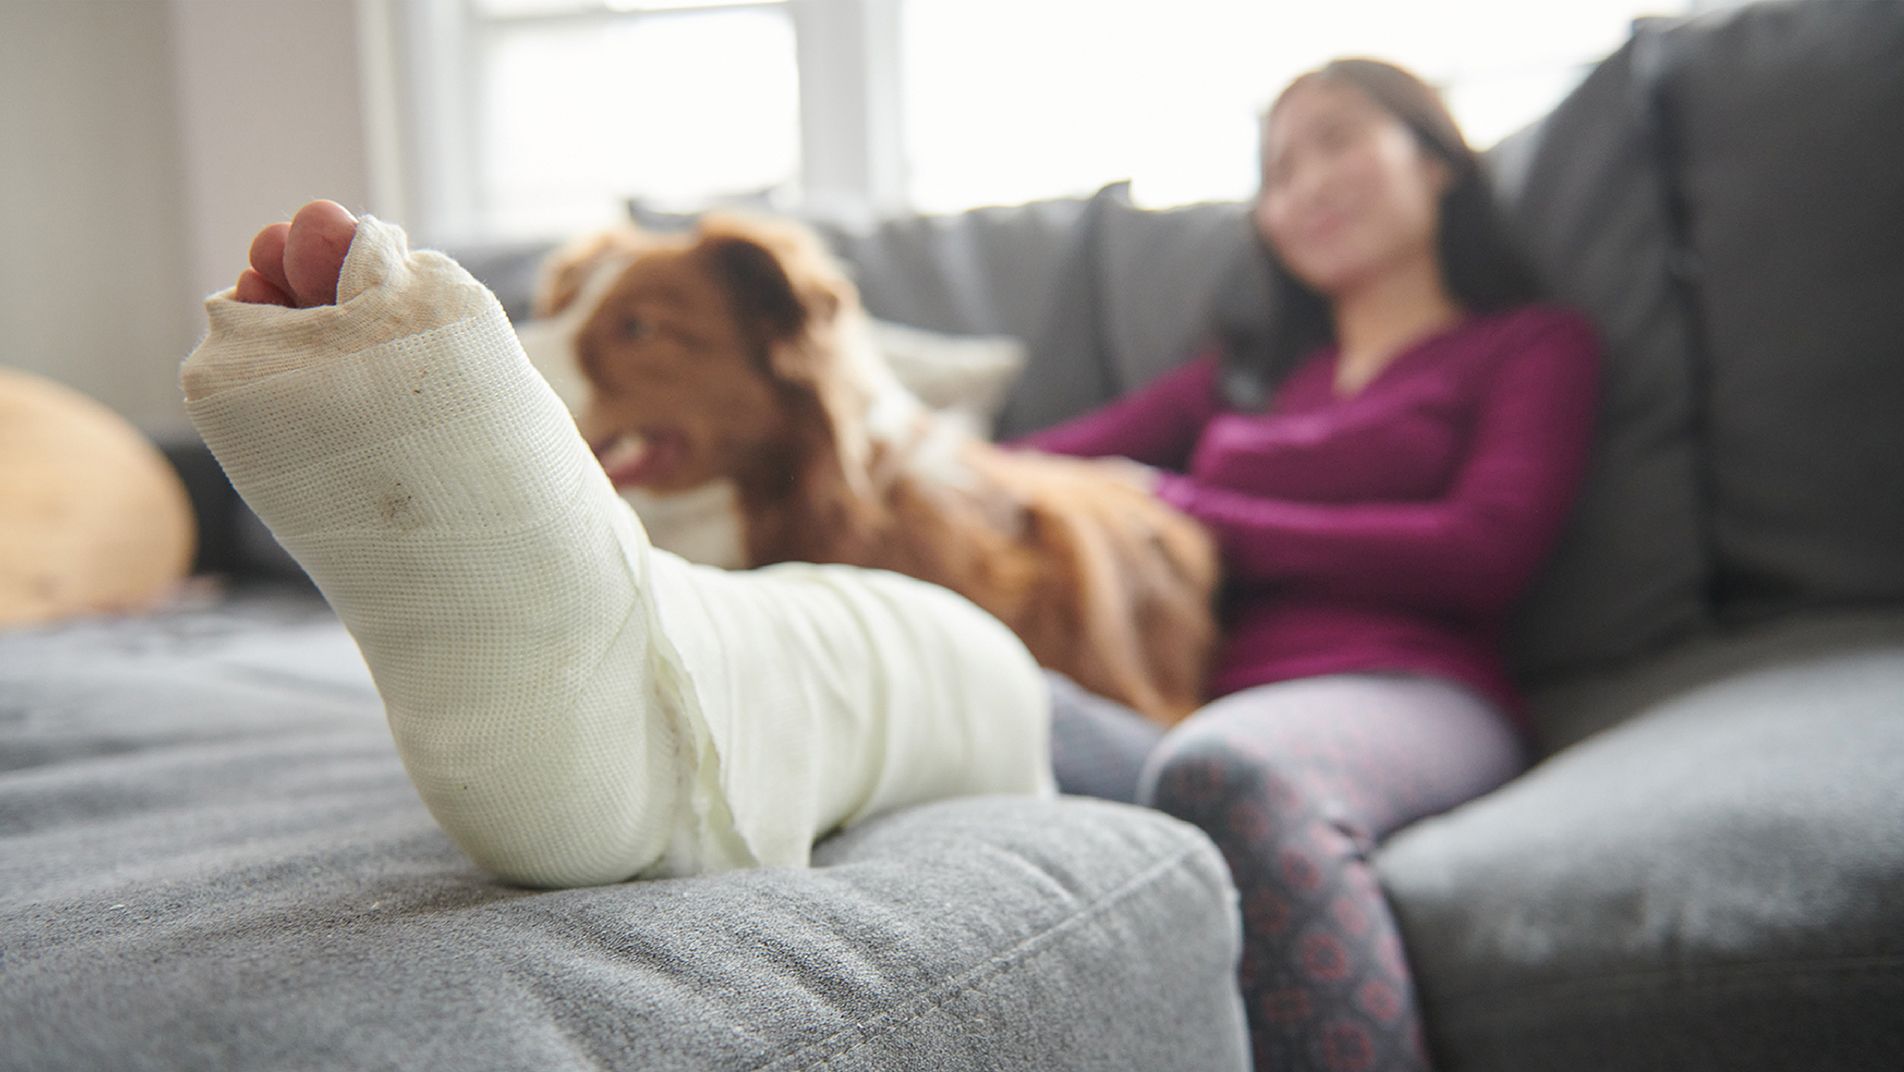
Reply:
x=1368, y=753
x=1217, y=780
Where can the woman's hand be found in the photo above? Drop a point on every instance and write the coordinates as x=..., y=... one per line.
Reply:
x=1140, y=476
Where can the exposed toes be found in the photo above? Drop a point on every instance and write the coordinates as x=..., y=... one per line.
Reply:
x=267, y=256
x=255, y=289
x=318, y=239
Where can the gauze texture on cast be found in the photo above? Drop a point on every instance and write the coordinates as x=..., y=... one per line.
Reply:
x=574, y=706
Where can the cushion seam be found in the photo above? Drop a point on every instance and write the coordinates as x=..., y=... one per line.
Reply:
x=851, y=1037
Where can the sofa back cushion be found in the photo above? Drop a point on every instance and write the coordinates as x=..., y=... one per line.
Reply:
x=1784, y=127
x=1021, y=270
x=1583, y=193
x=1161, y=275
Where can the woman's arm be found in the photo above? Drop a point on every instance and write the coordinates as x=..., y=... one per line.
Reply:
x=1472, y=552
x=1157, y=424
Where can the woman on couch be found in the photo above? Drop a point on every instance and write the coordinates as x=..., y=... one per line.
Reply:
x=575, y=706
x=1383, y=473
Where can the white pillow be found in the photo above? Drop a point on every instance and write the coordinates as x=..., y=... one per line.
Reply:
x=967, y=376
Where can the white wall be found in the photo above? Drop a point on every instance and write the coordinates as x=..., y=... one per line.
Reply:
x=91, y=291
x=270, y=116
x=142, y=142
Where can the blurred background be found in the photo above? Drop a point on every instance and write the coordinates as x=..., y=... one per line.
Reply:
x=146, y=140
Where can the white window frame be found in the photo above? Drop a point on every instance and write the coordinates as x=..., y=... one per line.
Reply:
x=421, y=92
x=420, y=75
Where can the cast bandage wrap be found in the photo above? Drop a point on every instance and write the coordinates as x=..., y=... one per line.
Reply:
x=574, y=706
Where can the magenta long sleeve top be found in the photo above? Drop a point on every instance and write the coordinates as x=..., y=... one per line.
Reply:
x=1391, y=529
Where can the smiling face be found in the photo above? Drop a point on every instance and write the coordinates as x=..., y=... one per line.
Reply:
x=1347, y=190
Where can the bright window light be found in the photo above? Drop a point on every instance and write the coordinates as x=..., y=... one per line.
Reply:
x=565, y=109
x=577, y=115
x=1007, y=100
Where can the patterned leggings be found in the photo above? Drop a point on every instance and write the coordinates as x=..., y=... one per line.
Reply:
x=1297, y=782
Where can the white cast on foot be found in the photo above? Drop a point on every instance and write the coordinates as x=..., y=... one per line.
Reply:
x=574, y=706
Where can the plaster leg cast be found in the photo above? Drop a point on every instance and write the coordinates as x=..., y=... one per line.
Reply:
x=574, y=706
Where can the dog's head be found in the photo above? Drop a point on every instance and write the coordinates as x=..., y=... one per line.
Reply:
x=722, y=354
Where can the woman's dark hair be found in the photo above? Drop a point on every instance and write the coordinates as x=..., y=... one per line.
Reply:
x=1484, y=270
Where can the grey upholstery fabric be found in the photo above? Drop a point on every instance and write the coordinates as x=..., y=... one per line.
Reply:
x=1784, y=124
x=1023, y=271
x=1160, y=274
x=991, y=270
x=210, y=858
x=1715, y=883
x=1586, y=200
x=509, y=270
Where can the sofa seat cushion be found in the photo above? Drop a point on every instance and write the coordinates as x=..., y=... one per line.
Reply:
x=1711, y=883
x=210, y=857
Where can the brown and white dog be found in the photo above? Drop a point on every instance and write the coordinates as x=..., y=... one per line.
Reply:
x=735, y=362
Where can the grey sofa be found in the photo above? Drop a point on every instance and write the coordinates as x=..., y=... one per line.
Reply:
x=1706, y=869
x=211, y=859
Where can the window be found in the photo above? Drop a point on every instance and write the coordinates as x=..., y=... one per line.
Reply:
x=578, y=106
x=542, y=117
x=1008, y=100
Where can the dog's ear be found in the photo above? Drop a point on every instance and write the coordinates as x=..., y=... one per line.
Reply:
x=791, y=298
x=766, y=303
x=565, y=272
x=784, y=286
